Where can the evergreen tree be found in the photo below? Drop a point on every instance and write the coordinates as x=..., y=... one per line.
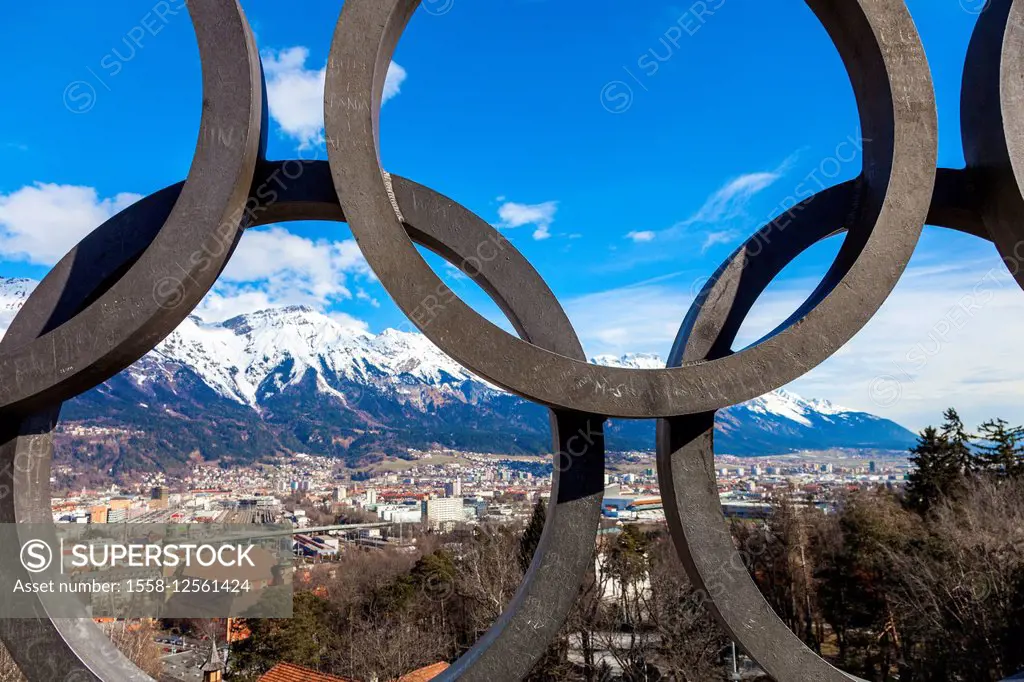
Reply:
x=935, y=473
x=1002, y=452
x=958, y=442
x=531, y=536
x=306, y=639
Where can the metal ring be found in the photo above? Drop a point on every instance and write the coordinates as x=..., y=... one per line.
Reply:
x=686, y=459
x=992, y=125
x=880, y=47
x=170, y=278
x=66, y=647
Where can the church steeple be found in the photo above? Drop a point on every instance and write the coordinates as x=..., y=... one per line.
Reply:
x=213, y=668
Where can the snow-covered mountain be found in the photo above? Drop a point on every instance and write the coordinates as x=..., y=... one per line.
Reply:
x=250, y=357
x=294, y=379
x=13, y=292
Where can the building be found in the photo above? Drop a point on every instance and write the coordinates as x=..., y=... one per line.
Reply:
x=453, y=488
x=98, y=514
x=158, y=498
x=442, y=510
x=213, y=668
x=399, y=513
x=118, y=512
x=259, y=502
x=746, y=510
x=305, y=545
x=340, y=493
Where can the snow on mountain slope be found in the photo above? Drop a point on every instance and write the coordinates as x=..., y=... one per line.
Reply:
x=778, y=403
x=250, y=358
x=237, y=357
x=13, y=292
x=630, y=361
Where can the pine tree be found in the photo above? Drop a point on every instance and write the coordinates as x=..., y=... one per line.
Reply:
x=935, y=473
x=531, y=536
x=958, y=442
x=1002, y=452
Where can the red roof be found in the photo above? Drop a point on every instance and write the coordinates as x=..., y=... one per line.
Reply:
x=424, y=674
x=288, y=672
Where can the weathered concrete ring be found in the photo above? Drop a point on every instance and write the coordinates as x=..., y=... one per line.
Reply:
x=879, y=44
x=992, y=122
x=76, y=649
x=171, y=277
x=686, y=459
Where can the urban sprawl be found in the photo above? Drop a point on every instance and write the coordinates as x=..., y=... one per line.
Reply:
x=442, y=489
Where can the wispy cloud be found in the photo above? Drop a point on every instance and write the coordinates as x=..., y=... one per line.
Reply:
x=541, y=216
x=725, y=210
x=731, y=199
x=716, y=237
x=295, y=93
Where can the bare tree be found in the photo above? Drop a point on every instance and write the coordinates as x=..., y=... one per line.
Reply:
x=489, y=574
x=960, y=595
x=134, y=639
x=690, y=642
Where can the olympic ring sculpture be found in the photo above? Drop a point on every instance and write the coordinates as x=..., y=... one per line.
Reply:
x=135, y=278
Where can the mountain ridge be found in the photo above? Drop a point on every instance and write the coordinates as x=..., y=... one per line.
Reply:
x=292, y=379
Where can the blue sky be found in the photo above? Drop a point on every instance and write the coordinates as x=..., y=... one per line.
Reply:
x=625, y=157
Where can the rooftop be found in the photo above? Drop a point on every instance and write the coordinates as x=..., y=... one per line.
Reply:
x=288, y=672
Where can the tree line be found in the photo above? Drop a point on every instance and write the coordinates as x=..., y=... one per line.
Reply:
x=919, y=584
x=947, y=457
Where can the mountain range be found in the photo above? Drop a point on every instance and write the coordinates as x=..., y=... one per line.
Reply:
x=293, y=379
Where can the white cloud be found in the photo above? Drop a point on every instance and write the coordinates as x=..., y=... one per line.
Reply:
x=642, y=235
x=541, y=216
x=42, y=222
x=295, y=93
x=947, y=336
x=273, y=267
x=347, y=320
x=362, y=295
x=641, y=318
x=270, y=267
x=393, y=81
x=223, y=303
